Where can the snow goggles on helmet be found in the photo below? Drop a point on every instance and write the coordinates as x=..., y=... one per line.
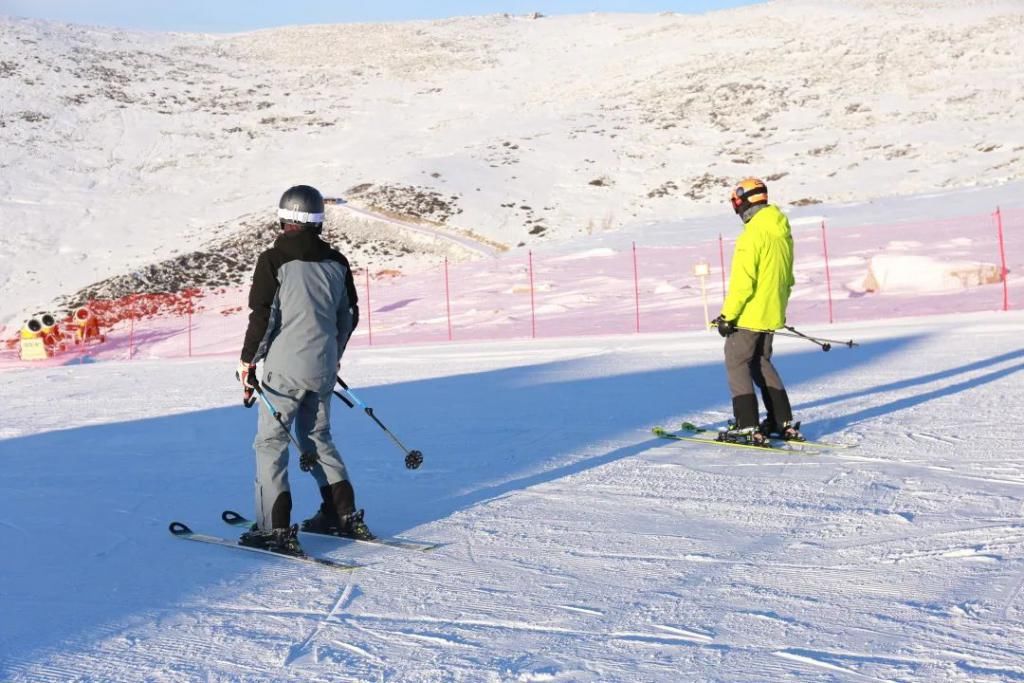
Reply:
x=750, y=191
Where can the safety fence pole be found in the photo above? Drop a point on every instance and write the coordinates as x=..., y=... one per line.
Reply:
x=188, y=299
x=828, y=272
x=636, y=288
x=131, y=326
x=369, y=310
x=448, y=298
x=1002, y=258
x=721, y=261
x=533, y=306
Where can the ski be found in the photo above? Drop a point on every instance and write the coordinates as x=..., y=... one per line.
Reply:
x=696, y=429
x=236, y=520
x=182, y=531
x=786, y=446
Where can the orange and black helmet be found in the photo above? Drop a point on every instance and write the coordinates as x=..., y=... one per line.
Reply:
x=750, y=191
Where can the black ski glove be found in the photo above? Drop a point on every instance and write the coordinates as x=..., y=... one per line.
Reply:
x=725, y=327
x=246, y=374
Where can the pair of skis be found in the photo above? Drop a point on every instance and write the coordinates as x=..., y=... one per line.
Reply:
x=693, y=433
x=182, y=531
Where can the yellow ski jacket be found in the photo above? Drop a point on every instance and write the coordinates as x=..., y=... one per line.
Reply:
x=762, y=272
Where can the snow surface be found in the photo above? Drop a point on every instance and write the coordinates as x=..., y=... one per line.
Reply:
x=577, y=547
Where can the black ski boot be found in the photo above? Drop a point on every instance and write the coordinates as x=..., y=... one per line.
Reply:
x=283, y=541
x=325, y=521
x=353, y=526
x=789, y=431
x=750, y=436
x=348, y=526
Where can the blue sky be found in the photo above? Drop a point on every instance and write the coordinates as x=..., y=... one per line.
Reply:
x=217, y=16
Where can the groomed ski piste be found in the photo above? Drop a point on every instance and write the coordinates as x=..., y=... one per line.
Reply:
x=577, y=546
x=574, y=544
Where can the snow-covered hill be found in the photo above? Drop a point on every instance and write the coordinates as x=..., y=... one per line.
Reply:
x=120, y=150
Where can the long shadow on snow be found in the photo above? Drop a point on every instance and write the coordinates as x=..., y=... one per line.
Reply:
x=84, y=512
x=922, y=379
x=843, y=421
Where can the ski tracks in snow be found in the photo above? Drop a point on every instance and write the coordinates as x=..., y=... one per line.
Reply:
x=307, y=648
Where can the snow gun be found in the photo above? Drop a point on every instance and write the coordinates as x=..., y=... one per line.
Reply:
x=413, y=459
x=51, y=332
x=87, y=326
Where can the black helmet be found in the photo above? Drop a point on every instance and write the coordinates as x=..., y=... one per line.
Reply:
x=302, y=205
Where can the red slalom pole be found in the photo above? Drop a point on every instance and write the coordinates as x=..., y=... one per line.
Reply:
x=636, y=288
x=533, y=306
x=369, y=309
x=828, y=273
x=448, y=298
x=721, y=260
x=1002, y=257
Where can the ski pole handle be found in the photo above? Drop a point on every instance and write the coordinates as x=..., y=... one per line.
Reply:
x=350, y=393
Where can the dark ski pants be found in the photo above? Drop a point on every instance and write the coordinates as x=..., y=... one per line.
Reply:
x=748, y=363
x=311, y=413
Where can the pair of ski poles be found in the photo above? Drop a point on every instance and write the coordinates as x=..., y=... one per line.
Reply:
x=309, y=459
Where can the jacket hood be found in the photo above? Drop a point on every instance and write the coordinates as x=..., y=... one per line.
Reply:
x=302, y=244
x=770, y=220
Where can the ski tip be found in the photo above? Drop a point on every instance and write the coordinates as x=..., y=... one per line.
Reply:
x=179, y=529
x=232, y=517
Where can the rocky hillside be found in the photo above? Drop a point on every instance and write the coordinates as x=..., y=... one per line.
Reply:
x=121, y=150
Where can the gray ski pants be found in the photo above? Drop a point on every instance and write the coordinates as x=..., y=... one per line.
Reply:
x=311, y=413
x=748, y=362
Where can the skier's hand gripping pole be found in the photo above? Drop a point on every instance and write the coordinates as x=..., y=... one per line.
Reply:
x=413, y=459
x=307, y=460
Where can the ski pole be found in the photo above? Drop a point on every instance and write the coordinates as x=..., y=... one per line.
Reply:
x=825, y=344
x=413, y=459
x=307, y=460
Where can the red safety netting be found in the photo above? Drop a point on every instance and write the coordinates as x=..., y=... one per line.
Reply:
x=965, y=264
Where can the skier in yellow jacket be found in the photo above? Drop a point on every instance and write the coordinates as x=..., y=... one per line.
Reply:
x=759, y=287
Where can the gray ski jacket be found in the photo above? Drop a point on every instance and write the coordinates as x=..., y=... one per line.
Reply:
x=303, y=309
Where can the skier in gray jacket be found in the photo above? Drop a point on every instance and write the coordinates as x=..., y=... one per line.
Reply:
x=304, y=308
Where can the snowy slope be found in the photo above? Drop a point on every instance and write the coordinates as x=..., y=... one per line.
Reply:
x=577, y=547
x=121, y=149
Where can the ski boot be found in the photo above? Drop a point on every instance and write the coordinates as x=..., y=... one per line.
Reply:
x=748, y=436
x=283, y=541
x=349, y=526
x=325, y=521
x=790, y=431
x=353, y=526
